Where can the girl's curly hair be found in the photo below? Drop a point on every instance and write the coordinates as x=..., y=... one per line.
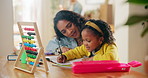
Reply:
x=107, y=33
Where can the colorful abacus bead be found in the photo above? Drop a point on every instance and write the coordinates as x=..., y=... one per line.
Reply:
x=29, y=45
x=25, y=40
x=26, y=44
x=23, y=36
x=26, y=48
x=33, y=49
x=34, y=56
x=30, y=33
x=30, y=59
x=29, y=29
x=31, y=56
x=32, y=63
x=31, y=52
x=31, y=41
x=30, y=37
x=32, y=45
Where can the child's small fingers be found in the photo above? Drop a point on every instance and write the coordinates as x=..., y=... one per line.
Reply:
x=59, y=59
x=64, y=59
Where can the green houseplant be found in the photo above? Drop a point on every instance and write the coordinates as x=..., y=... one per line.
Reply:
x=139, y=18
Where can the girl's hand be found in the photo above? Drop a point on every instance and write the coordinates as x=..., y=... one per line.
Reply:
x=64, y=49
x=61, y=59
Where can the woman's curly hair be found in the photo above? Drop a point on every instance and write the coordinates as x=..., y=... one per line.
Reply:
x=70, y=16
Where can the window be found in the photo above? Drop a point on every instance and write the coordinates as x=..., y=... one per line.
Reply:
x=23, y=10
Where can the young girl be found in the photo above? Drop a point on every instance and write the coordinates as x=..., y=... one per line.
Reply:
x=98, y=43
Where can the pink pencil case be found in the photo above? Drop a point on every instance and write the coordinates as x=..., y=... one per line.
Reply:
x=102, y=66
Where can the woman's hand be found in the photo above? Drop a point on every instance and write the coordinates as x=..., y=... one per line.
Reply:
x=64, y=49
x=61, y=59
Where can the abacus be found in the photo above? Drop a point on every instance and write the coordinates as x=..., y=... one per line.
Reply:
x=32, y=50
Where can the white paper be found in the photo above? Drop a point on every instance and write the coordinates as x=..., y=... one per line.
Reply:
x=54, y=59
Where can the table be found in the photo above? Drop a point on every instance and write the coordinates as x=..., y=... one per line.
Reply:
x=7, y=71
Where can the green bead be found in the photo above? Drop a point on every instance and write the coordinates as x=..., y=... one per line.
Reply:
x=30, y=37
x=28, y=55
x=34, y=56
x=23, y=36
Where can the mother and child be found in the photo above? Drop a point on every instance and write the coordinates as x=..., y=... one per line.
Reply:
x=79, y=37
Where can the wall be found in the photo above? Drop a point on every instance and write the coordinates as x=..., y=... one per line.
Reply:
x=45, y=22
x=87, y=6
x=6, y=27
x=121, y=31
x=138, y=47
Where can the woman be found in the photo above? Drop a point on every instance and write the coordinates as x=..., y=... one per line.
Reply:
x=67, y=25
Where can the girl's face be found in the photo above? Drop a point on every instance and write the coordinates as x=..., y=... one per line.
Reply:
x=90, y=40
x=68, y=29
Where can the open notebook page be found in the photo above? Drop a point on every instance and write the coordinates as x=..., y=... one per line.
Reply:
x=54, y=59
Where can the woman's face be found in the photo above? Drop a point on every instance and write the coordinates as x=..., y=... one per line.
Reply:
x=90, y=40
x=68, y=29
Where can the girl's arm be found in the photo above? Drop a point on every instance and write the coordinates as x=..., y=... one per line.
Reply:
x=107, y=52
x=75, y=53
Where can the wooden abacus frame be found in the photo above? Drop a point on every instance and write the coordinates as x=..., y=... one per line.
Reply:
x=28, y=68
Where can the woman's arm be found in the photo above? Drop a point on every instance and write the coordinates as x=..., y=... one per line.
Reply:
x=52, y=46
x=65, y=44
